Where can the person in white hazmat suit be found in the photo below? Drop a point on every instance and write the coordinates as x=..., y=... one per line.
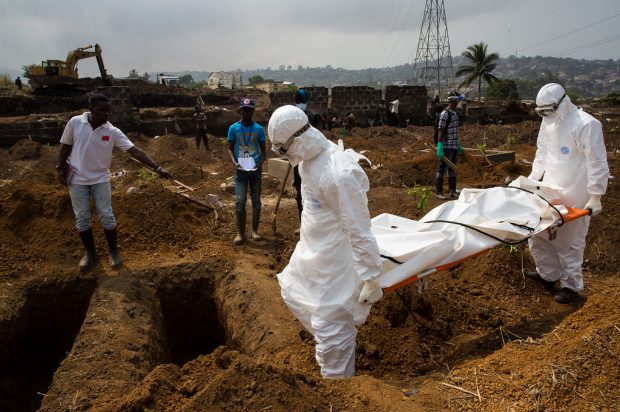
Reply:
x=329, y=282
x=570, y=154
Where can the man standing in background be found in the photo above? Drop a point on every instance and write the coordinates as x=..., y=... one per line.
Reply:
x=246, y=148
x=201, y=128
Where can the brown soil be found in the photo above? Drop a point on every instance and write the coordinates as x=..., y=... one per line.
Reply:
x=192, y=322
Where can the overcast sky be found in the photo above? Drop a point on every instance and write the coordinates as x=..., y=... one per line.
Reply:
x=209, y=35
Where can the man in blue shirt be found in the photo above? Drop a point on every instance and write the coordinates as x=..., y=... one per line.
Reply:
x=246, y=147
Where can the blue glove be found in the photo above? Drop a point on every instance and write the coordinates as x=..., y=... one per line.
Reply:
x=460, y=148
x=440, y=150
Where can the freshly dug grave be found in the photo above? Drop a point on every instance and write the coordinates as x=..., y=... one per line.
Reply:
x=480, y=320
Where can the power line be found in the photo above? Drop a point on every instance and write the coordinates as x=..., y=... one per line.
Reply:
x=386, y=34
x=570, y=32
x=403, y=24
x=588, y=46
x=543, y=17
x=391, y=31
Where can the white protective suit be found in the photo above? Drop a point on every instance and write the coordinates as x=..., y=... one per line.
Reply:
x=336, y=252
x=570, y=154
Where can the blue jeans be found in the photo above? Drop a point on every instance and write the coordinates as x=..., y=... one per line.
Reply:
x=80, y=200
x=242, y=180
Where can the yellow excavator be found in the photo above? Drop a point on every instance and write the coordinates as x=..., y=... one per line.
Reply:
x=62, y=75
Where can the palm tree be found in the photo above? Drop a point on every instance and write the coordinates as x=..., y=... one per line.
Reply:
x=480, y=67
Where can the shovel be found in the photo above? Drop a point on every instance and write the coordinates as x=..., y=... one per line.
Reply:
x=275, y=210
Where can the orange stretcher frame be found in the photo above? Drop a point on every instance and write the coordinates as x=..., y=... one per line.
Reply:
x=572, y=214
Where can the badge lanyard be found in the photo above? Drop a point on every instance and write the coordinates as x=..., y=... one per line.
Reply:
x=246, y=152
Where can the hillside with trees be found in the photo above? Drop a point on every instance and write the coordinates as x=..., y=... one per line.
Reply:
x=583, y=78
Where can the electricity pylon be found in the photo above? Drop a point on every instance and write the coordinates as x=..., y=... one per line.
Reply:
x=433, y=61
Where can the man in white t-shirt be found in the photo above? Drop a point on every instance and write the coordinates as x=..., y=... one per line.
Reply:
x=394, y=112
x=83, y=165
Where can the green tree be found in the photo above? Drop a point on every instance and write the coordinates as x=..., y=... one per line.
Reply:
x=26, y=70
x=256, y=79
x=186, y=80
x=133, y=74
x=528, y=89
x=503, y=90
x=480, y=66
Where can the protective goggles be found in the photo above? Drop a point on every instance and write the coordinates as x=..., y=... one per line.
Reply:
x=549, y=109
x=283, y=147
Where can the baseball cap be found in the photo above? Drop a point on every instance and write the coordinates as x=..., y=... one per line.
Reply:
x=247, y=102
x=454, y=96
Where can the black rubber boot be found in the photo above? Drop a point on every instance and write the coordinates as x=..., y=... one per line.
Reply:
x=439, y=188
x=532, y=274
x=115, y=257
x=452, y=187
x=240, y=228
x=565, y=295
x=255, y=223
x=90, y=258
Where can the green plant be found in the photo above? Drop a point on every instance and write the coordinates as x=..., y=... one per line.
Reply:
x=482, y=147
x=421, y=192
x=146, y=176
x=510, y=139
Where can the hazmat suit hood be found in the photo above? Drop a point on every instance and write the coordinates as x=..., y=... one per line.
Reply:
x=287, y=121
x=551, y=94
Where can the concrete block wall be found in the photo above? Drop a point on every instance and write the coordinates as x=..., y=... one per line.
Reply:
x=317, y=101
x=122, y=114
x=413, y=101
x=363, y=101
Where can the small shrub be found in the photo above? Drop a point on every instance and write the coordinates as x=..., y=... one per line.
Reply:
x=421, y=192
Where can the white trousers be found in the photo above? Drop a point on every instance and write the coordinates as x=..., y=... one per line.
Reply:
x=561, y=259
x=335, y=339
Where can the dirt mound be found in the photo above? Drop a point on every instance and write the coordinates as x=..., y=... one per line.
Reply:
x=568, y=369
x=25, y=149
x=226, y=380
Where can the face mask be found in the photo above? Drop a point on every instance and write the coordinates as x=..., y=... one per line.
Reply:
x=282, y=148
x=549, y=110
x=302, y=106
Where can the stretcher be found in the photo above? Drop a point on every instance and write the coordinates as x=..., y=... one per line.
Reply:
x=460, y=230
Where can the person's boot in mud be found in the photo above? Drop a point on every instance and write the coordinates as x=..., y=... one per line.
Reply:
x=90, y=258
x=240, y=228
x=439, y=188
x=454, y=194
x=255, y=223
x=115, y=257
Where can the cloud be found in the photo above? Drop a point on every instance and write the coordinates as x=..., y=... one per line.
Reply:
x=210, y=35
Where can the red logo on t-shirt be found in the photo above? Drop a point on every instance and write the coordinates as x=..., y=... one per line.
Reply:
x=105, y=138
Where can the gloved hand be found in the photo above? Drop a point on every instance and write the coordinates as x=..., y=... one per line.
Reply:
x=440, y=150
x=460, y=148
x=371, y=292
x=594, y=204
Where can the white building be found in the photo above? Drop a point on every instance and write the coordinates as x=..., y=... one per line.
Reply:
x=227, y=80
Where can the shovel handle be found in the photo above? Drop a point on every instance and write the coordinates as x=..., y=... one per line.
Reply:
x=288, y=172
x=444, y=158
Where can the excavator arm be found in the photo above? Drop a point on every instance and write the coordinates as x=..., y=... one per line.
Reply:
x=83, y=53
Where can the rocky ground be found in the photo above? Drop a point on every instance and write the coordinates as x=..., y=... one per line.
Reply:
x=192, y=322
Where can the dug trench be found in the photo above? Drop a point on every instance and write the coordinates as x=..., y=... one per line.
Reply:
x=38, y=325
x=147, y=329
